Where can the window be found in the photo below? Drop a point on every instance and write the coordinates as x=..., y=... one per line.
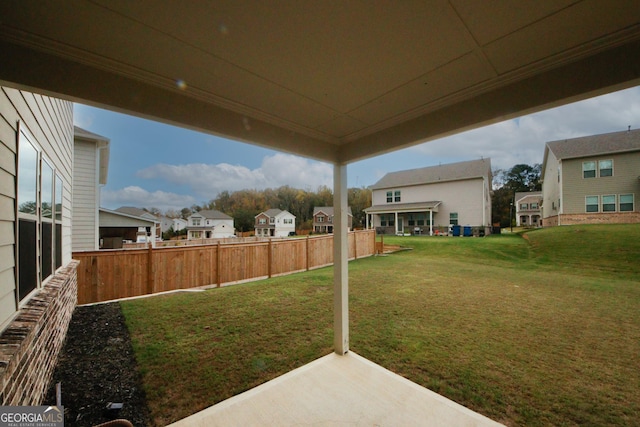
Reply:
x=533, y=205
x=591, y=203
x=46, y=198
x=383, y=221
x=411, y=220
x=272, y=220
x=28, y=271
x=396, y=197
x=288, y=221
x=606, y=167
x=609, y=203
x=588, y=169
x=58, y=221
x=524, y=206
x=195, y=221
x=626, y=203
x=387, y=220
x=453, y=218
x=421, y=219
x=389, y=196
x=320, y=218
x=262, y=221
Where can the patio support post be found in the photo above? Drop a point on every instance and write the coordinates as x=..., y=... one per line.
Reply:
x=340, y=261
x=430, y=222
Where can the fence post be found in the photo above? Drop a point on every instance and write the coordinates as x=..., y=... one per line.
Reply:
x=150, y=279
x=355, y=245
x=219, y=263
x=270, y=257
x=308, y=255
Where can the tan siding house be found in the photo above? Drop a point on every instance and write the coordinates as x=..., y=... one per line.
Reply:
x=37, y=274
x=433, y=199
x=90, y=167
x=593, y=179
x=323, y=219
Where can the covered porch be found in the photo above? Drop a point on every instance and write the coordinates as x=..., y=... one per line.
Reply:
x=413, y=218
x=378, y=81
x=334, y=390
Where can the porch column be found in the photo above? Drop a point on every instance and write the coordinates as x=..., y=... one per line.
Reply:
x=340, y=261
x=396, y=214
x=430, y=222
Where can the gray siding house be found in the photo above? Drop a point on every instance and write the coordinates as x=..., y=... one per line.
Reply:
x=593, y=179
x=90, y=168
x=431, y=199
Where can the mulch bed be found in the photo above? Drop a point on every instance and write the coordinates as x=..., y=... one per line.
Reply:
x=96, y=367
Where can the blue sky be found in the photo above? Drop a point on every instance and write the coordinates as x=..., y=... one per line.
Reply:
x=158, y=165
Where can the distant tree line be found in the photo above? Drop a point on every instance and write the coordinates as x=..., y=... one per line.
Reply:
x=244, y=205
x=506, y=183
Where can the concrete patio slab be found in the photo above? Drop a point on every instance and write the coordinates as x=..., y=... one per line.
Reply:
x=338, y=390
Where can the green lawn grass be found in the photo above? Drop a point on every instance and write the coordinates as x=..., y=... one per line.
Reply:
x=538, y=328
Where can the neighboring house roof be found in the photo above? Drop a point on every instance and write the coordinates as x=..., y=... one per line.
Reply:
x=522, y=195
x=328, y=210
x=594, y=145
x=212, y=214
x=129, y=210
x=102, y=143
x=127, y=217
x=272, y=213
x=433, y=174
x=399, y=207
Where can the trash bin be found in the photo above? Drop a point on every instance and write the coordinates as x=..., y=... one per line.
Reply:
x=467, y=231
x=456, y=230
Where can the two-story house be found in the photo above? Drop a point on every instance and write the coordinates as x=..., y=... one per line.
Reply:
x=323, y=219
x=528, y=208
x=417, y=200
x=275, y=223
x=176, y=224
x=210, y=224
x=593, y=179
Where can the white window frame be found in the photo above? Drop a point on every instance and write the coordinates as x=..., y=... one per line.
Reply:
x=614, y=204
x=600, y=168
x=594, y=170
x=633, y=202
x=596, y=204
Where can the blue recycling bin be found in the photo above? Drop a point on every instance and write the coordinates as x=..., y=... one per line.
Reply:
x=456, y=230
x=467, y=231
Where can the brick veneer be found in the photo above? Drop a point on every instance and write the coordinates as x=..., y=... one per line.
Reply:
x=30, y=344
x=594, y=218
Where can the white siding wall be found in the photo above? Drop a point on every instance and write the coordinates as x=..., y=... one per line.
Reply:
x=50, y=121
x=85, y=197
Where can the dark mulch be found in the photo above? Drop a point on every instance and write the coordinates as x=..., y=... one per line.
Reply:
x=97, y=366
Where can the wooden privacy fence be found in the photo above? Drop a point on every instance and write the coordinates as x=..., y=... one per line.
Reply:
x=112, y=274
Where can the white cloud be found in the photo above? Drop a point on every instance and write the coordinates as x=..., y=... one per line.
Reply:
x=522, y=140
x=139, y=197
x=207, y=180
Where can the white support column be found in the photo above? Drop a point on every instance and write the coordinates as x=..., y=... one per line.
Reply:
x=340, y=261
x=396, y=214
x=431, y=222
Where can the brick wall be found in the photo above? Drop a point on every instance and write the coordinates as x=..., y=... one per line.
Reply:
x=30, y=344
x=594, y=218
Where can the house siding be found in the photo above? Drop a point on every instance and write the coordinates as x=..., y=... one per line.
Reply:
x=85, y=197
x=32, y=334
x=626, y=168
x=551, y=190
x=464, y=197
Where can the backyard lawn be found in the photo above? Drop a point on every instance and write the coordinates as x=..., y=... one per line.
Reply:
x=541, y=328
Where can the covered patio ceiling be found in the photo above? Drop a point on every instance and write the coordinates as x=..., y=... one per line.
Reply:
x=331, y=80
